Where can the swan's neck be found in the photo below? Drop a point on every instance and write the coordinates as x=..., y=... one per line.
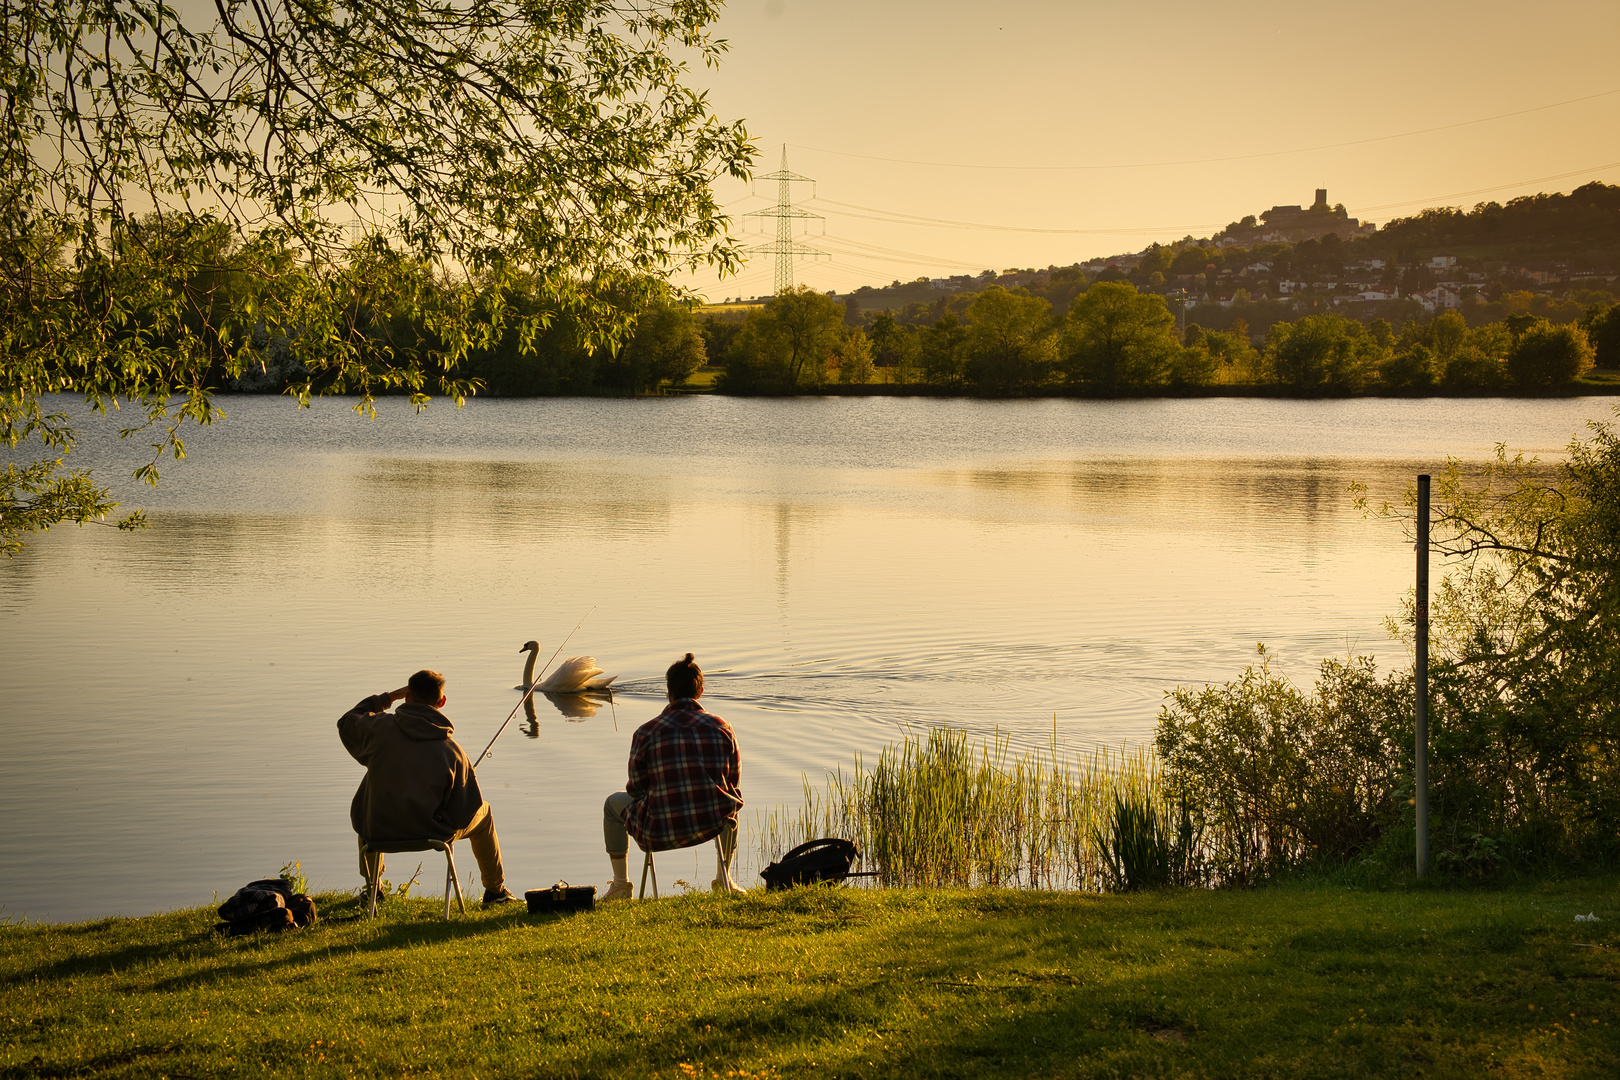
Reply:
x=528, y=669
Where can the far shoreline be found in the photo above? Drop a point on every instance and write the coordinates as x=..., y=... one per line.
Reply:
x=1265, y=393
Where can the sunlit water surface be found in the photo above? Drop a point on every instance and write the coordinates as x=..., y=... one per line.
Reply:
x=844, y=569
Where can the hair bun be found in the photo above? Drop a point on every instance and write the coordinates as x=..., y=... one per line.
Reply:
x=688, y=658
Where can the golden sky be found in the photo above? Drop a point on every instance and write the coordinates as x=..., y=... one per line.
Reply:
x=1126, y=123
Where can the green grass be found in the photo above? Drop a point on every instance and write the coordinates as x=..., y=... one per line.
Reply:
x=701, y=379
x=1292, y=981
x=1606, y=378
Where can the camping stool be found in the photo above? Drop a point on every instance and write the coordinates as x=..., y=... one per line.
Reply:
x=647, y=867
x=390, y=847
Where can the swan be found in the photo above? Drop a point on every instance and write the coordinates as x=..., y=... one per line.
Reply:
x=573, y=676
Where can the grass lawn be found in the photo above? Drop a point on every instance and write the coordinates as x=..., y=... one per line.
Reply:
x=1293, y=981
x=701, y=379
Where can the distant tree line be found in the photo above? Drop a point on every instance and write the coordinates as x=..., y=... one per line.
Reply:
x=1116, y=340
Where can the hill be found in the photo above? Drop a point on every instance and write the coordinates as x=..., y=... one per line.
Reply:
x=1549, y=254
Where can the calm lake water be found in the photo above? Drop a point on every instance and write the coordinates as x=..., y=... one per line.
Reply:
x=844, y=569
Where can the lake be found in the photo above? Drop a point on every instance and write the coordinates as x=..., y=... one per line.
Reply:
x=844, y=569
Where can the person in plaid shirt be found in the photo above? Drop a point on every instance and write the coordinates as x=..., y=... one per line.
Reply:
x=684, y=786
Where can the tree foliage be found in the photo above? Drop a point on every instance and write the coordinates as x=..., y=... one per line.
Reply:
x=1322, y=353
x=664, y=350
x=1525, y=648
x=1010, y=343
x=785, y=347
x=1117, y=340
x=179, y=192
x=1548, y=357
x=855, y=365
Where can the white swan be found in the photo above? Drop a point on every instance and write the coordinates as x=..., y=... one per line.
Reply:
x=574, y=675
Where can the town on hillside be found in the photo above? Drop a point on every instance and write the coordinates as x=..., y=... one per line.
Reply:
x=1550, y=255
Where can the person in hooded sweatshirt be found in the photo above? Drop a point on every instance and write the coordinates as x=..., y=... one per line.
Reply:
x=419, y=784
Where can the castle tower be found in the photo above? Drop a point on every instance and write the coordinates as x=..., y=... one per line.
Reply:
x=1321, y=199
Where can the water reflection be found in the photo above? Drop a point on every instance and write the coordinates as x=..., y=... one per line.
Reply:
x=505, y=499
x=580, y=706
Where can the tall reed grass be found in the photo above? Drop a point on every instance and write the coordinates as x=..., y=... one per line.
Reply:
x=941, y=810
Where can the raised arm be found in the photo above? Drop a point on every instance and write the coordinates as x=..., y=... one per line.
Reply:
x=355, y=726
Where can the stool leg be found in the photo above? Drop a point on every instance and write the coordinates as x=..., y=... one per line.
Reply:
x=725, y=850
x=450, y=861
x=373, y=876
x=723, y=863
x=646, y=867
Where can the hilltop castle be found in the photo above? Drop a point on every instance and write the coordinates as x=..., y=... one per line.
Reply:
x=1291, y=224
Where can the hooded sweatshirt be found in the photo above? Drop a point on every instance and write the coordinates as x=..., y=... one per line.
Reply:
x=418, y=784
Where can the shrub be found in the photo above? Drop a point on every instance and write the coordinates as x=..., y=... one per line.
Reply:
x=1548, y=357
x=1322, y=353
x=1277, y=779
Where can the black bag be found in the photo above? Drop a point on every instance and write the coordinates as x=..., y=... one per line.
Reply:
x=561, y=897
x=266, y=904
x=819, y=860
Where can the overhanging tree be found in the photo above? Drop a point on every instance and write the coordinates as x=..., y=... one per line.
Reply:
x=174, y=191
x=1526, y=645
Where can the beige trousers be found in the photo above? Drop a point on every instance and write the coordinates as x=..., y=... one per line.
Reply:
x=480, y=836
x=617, y=840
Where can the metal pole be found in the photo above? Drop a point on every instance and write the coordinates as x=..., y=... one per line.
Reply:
x=1421, y=755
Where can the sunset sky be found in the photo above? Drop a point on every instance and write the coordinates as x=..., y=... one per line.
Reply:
x=1112, y=125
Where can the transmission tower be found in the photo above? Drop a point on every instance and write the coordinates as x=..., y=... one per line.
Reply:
x=784, y=212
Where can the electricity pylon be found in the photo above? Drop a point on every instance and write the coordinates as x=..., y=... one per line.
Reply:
x=784, y=212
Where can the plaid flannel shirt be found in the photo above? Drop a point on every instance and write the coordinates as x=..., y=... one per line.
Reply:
x=685, y=778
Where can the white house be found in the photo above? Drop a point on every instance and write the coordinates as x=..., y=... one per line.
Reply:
x=1443, y=297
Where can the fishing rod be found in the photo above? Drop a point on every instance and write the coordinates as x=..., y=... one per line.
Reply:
x=529, y=693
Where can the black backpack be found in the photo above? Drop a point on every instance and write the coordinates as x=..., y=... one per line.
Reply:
x=828, y=859
x=267, y=904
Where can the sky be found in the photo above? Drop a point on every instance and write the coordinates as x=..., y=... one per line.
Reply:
x=1111, y=125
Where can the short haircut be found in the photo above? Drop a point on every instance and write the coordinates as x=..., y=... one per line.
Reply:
x=427, y=685
x=684, y=678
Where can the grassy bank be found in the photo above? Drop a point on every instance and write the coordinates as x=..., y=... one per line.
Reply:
x=1288, y=982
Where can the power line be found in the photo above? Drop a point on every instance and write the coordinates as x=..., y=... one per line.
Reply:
x=899, y=217
x=1216, y=160
x=875, y=253
x=1487, y=191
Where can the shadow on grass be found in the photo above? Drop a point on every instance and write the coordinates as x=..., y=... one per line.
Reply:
x=399, y=925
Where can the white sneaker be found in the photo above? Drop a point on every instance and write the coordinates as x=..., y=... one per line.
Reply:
x=618, y=890
x=727, y=887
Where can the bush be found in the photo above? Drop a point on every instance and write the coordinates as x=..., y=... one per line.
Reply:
x=1277, y=779
x=1548, y=357
x=1322, y=353
x=1412, y=369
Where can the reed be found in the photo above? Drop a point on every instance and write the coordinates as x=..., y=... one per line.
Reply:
x=939, y=809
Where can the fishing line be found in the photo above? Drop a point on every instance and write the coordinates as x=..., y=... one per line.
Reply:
x=529, y=693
